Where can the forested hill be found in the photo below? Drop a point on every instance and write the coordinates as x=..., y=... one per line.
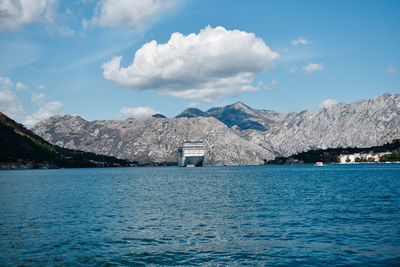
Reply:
x=18, y=144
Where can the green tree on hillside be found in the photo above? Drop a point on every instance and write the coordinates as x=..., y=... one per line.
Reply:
x=392, y=157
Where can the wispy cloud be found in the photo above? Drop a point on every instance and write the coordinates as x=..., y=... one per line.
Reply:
x=313, y=67
x=127, y=13
x=47, y=110
x=192, y=105
x=9, y=102
x=38, y=98
x=17, y=54
x=98, y=56
x=11, y=105
x=20, y=86
x=327, y=103
x=6, y=83
x=137, y=112
x=391, y=70
x=300, y=40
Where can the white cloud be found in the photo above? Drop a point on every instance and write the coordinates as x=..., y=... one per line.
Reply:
x=327, y=103
x=192, y=105
x=274, y=82
x=206, y=66
x=12, y=107
x=262, y=85
x=7, y=97
x=65, y=31
x=6, y=83
x=9, y=102
x=20, y=86
x=137, y=112
x=300, y=40
x=293, y=70
x=47, y=110
x=38, y=98
x=15, y=13
x=391, y=70
x=312, y=67
x=128, y=13
x=41, y=87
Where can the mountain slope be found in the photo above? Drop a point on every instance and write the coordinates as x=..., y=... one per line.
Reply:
x=363, y=123
x=229, y=132
x=151, y=138
x=18, y=143
x=192, y=113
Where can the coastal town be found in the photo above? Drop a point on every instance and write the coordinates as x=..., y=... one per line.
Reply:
x=379, y=154
x=362, y=157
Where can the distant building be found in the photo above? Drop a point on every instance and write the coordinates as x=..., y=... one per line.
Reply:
x=351, y=158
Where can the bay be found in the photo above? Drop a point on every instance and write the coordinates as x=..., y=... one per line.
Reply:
x=244, y=215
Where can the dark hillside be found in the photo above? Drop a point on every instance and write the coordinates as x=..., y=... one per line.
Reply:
x=18, y=144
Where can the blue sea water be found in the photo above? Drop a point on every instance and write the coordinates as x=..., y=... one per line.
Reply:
x=244, y=215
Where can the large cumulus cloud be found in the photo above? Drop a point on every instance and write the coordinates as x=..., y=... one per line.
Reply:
x=206, y=66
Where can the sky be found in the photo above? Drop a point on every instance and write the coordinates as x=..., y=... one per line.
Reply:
x=114, y=59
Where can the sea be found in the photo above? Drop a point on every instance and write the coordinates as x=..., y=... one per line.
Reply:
x=213, y=216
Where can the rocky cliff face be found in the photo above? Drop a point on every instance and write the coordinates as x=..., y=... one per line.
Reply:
x=361, y=124
x=235, y=134
x=152, y=139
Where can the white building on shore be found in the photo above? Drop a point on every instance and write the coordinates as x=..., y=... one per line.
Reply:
x=351, y=158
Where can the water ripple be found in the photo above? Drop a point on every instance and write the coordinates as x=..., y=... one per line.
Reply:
x=253, y=215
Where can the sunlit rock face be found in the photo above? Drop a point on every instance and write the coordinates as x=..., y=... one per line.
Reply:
x=360, y=124
x=235, y=134
x=152, y=139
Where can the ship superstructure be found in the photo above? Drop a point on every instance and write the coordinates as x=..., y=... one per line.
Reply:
x=191, y=154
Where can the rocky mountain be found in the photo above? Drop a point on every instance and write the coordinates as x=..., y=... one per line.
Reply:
x=363, y=123
x=19, y=144
x=152, y=139
x=237, y=115
x=158, y=116
x=192, y=113
x=235, y=134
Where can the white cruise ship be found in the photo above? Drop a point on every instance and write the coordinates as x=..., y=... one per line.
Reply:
x=191, y=154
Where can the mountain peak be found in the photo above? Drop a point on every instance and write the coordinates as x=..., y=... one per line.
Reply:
x=158, y=115
x=191, y=113
x=240, y=105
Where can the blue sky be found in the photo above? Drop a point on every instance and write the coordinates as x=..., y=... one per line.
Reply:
x=77, y=57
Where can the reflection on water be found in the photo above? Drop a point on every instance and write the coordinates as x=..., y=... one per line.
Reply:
x=213, y=215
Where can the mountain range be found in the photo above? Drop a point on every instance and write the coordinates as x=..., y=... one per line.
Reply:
x=237, y=115
x=20, y=145
x=234, y=134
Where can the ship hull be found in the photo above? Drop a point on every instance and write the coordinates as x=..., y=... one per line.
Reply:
x=191, y=154
x=196, y=161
